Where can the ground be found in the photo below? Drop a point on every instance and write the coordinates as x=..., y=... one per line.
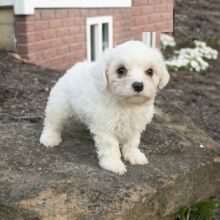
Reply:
x=197, y=94
x=24, y=89
x=197, y=18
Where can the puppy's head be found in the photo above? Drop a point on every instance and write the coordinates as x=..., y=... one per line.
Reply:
x=131, y=71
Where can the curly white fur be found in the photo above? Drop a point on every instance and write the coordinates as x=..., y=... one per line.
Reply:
x=107, y=103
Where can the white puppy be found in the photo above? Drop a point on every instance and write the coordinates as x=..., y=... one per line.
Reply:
x=114, y=97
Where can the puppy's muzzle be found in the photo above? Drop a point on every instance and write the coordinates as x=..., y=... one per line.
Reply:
x=138, y=86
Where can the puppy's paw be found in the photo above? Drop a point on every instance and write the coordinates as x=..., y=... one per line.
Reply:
x=135, y=157
x=50, y=139
x=112, y=164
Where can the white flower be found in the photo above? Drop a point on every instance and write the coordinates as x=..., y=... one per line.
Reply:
x=192, y=58
x=167, y=41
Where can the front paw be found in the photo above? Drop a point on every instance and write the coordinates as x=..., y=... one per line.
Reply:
x=50, y=139
x=112, y=164
x=135, y=157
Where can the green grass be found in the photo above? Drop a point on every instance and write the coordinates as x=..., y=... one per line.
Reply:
x=203, y=210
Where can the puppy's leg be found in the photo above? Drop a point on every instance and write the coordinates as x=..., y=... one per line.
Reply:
x=132, y=153
x=56, y=114
x=108, y=151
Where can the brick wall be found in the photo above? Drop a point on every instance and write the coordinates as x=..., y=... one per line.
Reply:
x=56, y=38
x=152, y=16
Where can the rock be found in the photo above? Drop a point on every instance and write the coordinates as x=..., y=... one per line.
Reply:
x=66, y=182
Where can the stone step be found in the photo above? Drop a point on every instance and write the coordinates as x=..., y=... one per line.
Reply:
x=66, y=182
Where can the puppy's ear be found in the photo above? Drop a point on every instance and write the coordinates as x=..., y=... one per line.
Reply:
x=164, y=75
x=99, y=71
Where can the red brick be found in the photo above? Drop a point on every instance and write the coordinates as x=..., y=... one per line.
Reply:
x=41, y=25
x=35, y=36
x=160, y=8
x=62, y=50
x=21, y=38
x=56, y=43
x=154, y=18
x=148, y=9
x=140, y=20
x=80, y=55
x=24, y=18
x=29, y=37
x=138, y=36
x=158, y=40
x=39, y=56
x=79, y=21
x=22, y=48
x=48, y=34
x=51, y=53
x=55, y=23
x=77, y=46
x=160, y=26
x=153, y=2
x=78, y=38
x=167, y=1
x=47, y=14
x=62, y=32
x=136, y=11
x=37, y=15
x=62, y=13
x=69, y=39
x=23, y=27
x=139, y=2
x=167, y=16
x=74, y=30
x=68, y=22
x=75, y=12
x=170, y=26
x=54, y=63
x=38, y=46
x=68, y=58
x=170, y=7
x=20, y=18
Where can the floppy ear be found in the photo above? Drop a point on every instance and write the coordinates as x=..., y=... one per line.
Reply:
x=99, y=71
x=164, y=77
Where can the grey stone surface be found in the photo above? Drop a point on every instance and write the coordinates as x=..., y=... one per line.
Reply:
x=66, y=182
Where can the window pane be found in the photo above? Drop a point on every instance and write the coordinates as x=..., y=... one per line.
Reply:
x=149, y=38
x=93, y=42
x=105, y=36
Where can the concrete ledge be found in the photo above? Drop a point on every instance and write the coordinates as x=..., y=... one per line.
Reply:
x=66, y=182
x=7, y=29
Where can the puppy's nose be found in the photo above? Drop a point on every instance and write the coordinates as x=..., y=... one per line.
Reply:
x=138, y=86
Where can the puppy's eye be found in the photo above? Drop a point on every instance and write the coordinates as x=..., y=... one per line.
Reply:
x=149, y=72
x=121, y=71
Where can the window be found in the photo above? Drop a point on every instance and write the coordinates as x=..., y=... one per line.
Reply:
x=149, y=38
x=99, y=36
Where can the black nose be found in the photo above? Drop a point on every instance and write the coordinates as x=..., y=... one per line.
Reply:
x=138, y=86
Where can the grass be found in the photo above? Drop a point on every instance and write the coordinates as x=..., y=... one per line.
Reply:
x=203, y=210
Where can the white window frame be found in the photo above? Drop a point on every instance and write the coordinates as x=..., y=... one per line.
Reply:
x=27, y=7
x=149, y=38
x=98, y=21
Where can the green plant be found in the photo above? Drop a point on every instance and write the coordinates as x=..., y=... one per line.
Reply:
x=203, y=210
x=193, y=59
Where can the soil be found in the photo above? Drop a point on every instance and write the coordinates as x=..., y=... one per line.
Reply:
x=24, y=89
x=197, y=18
x=198, y=94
